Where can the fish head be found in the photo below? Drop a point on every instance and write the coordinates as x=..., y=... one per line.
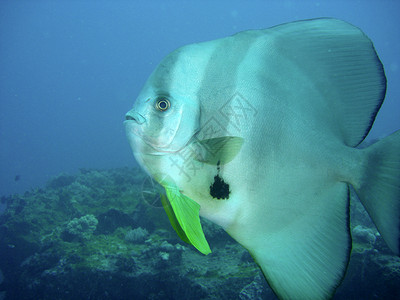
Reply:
x=166, y=114
x=161, y=123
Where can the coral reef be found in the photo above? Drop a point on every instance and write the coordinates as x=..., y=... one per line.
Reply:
x=94, y=236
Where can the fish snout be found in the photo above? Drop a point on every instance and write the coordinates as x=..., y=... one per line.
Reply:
x=135, y=116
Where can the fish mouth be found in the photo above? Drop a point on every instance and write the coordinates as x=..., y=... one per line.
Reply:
x=135, y=116
x=133, y=122
x=133, y=129
x=139, y=144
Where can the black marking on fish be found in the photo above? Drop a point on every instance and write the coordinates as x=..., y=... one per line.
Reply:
x=219, y=189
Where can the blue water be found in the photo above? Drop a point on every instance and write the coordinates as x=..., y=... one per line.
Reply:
x=69, y=70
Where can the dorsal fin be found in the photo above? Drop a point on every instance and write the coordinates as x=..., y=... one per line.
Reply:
x=342, y=63
x=325, y=69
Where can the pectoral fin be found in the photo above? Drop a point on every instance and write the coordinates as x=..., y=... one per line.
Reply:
x=218, y=150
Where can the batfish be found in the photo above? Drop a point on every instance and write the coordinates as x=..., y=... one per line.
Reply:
x=258, y=132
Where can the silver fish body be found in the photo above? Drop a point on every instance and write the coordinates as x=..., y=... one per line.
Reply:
x=260, y=131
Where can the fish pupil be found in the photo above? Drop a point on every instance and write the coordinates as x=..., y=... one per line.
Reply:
x=163, y=104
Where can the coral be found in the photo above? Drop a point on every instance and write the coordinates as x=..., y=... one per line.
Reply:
x=365, y=235
x=81, y=228
x=167, y=247
x=164, y=255
x=255, y=290
x=112, y=219
x=137, y=235
x=61, y=180
x=95, y=178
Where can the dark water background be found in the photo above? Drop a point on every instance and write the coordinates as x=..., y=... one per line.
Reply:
x=69, y=70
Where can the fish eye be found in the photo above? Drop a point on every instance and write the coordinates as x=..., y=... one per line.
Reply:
x=163, y=104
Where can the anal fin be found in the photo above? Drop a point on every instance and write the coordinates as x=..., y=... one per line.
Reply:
x=309, y=257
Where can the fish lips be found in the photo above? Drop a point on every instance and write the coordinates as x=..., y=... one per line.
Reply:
x=138, y=141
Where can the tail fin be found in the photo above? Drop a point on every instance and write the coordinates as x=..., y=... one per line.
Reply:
x=380, y=189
